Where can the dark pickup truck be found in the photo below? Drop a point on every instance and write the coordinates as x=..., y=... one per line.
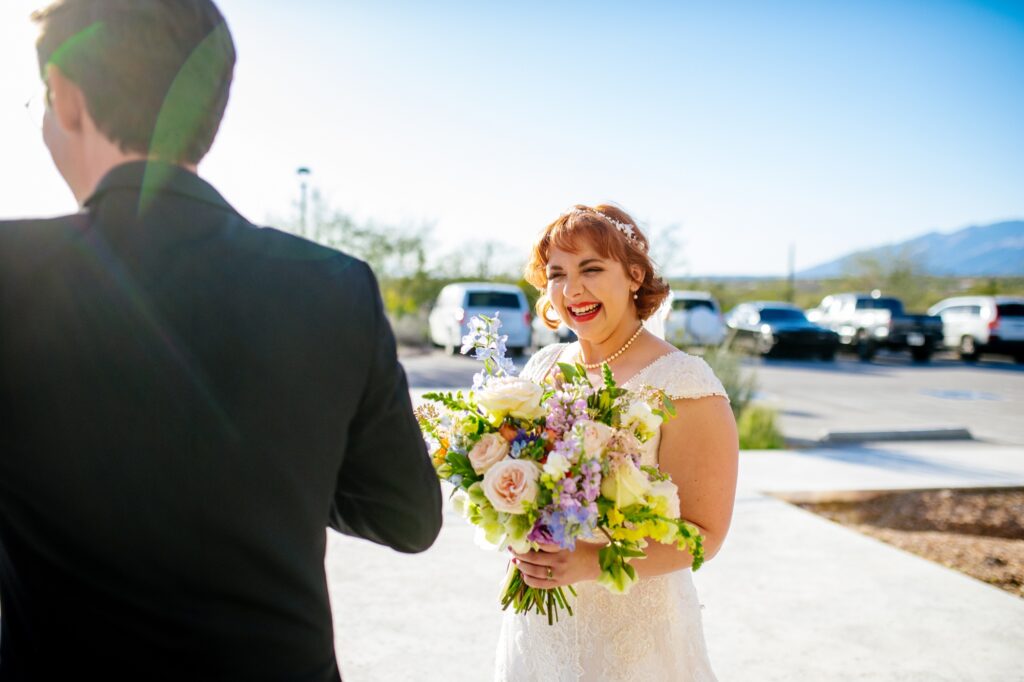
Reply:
x=867, y=322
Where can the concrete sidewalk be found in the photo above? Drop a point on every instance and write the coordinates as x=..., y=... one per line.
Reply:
x=795, y=596
x=790, y=596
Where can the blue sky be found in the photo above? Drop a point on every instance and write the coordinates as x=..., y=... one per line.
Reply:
x=831, y=125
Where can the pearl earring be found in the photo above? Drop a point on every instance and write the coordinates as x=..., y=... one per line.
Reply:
x=634, y=295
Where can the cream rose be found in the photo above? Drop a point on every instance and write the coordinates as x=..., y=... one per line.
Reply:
x=511, y=396
x=626, y=485
x=641, y=418
x=557, y=466
x=595, y=436
x=487, y=452
x=670, y=492
x=510, y=484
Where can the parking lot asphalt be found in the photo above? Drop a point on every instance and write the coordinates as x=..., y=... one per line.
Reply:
x=892, y=393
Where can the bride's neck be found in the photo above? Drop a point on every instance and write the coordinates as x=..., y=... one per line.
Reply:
x=598, y=350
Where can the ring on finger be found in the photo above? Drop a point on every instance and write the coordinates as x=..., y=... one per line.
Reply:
x=551, y=574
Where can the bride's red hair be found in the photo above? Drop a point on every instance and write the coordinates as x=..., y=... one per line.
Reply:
x=594, y=226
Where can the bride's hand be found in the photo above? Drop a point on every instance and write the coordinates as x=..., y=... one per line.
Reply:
x=551, y=567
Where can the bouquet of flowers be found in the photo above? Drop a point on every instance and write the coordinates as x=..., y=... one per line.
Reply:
x=553, y=464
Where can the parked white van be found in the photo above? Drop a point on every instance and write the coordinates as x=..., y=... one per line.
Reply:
x=458, y=303
x=983, y=324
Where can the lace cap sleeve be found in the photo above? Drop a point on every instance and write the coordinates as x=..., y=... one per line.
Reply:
x=541, y=361
x=689, y=376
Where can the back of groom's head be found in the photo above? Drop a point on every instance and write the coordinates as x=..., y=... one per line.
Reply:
x=155, y=74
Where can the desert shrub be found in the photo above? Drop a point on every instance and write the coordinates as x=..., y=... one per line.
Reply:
x=739, y=385
x=758, y=429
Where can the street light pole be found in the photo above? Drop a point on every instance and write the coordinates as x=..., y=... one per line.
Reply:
x=303, y=173
x=791, y=280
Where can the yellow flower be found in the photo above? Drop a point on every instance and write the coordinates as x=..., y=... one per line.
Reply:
x=626, y=485
x=663, y=531
x=635, y=534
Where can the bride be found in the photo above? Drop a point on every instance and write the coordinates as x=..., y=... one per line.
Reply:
x=595, y=274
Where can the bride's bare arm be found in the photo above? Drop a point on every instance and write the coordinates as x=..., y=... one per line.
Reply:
x=700, y=450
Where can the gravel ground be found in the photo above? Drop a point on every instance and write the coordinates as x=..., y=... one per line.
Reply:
x=977, y=532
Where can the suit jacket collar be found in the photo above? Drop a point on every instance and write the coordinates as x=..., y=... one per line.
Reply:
x=153, y=178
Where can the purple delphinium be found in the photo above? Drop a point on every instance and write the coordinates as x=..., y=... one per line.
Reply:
x=541, y=534
x=567, y=407
x=556, y=419
x=591, y=470
x=568, y=447
x=521, y=441
x=572, y=512
x=562, y=527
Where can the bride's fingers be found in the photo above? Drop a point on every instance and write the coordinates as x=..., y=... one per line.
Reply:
x=534, y=571
x=542, y=570
x=538, y=576
x=547, y=554
x=533, y=567
x=539, y=563
x=532, y=555
x=541, y=583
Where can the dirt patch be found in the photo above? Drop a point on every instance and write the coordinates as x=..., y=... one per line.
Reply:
x=979, y=532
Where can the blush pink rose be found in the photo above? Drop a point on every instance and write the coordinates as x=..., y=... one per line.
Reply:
x=595, y=437
x=511, y=483
x=487, y=452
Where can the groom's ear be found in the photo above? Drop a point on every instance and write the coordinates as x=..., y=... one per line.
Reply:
x=66, y=101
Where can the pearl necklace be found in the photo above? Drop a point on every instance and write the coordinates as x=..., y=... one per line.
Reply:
x=614, y=355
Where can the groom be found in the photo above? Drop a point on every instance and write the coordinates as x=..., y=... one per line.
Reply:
x=187, y=400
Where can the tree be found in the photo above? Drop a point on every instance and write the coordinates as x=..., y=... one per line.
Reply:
x=667, y=249
x=397, y=255
x=895, y=273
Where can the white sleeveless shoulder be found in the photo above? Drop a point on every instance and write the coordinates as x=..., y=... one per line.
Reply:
x=679, y=374
x=652, y=634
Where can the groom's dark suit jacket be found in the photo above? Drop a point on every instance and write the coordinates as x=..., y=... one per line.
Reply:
x=188, y=401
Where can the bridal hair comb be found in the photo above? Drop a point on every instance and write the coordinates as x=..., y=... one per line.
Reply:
x=626, y=229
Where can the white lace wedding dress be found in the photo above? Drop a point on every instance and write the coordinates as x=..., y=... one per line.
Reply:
x=652, y=634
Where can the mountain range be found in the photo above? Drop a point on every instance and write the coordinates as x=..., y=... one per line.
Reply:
x=979, y=250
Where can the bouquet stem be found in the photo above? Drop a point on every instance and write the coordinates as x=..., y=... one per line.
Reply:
x=522, y=597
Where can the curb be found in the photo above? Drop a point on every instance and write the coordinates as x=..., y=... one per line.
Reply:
x=848, y=437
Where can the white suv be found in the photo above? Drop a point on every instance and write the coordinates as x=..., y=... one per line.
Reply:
x=695, y=319
x=458, y=303
x=983, y=324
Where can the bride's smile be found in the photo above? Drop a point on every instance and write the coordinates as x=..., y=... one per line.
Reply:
x=584, y=312
x=593, y=295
